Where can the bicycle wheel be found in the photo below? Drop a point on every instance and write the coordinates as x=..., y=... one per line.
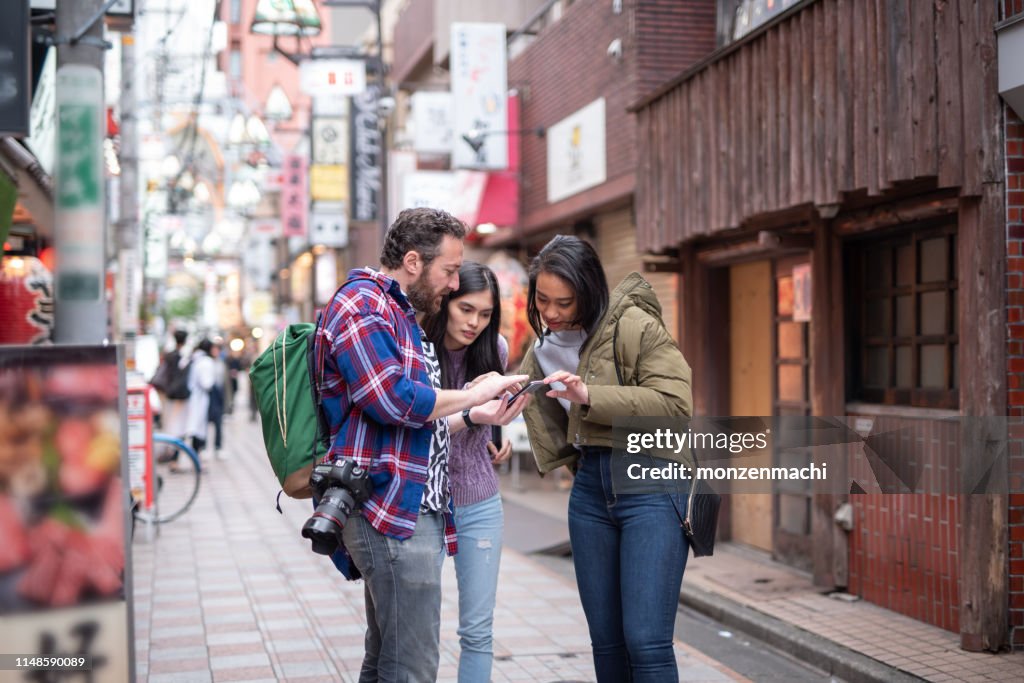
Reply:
x=176, y=481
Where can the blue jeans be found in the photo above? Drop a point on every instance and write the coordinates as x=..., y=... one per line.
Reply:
x=629, y=552
x=476, y=567
x=403, y=599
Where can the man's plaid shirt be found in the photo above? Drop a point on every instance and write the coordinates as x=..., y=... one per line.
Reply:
x=378, y=396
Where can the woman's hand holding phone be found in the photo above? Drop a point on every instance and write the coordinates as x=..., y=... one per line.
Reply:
x=575, y=389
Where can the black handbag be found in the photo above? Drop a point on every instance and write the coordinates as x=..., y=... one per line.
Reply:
x=701, y=521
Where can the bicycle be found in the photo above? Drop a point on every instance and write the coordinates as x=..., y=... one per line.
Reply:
x=176, y=481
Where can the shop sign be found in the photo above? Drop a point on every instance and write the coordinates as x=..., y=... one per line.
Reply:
x=479, y=76
x=576, y=152
x=366, y=146
x=294, y=197
x=432, y=122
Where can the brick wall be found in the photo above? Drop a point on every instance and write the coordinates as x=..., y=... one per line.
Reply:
x=670, y=36
x=904, y=550
x=1015, y=350
x=1015, y=360
x=567, y=67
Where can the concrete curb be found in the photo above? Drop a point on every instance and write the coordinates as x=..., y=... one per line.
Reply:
x=807, y=647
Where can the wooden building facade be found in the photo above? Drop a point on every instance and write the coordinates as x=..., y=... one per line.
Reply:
x=862, y=142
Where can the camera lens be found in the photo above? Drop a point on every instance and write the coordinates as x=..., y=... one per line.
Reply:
x=320, y=531
x=325, y=526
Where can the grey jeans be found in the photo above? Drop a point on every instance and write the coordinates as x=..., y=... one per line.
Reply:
x=403, y=599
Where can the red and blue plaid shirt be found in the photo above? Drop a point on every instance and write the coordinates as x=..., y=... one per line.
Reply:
x=378, y=396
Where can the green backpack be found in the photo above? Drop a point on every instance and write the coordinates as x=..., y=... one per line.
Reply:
x=288, y=407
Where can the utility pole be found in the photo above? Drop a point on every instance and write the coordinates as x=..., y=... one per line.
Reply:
x=130, y=266
x=81, y=309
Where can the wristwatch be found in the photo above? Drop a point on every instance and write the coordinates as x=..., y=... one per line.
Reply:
x=465, y=418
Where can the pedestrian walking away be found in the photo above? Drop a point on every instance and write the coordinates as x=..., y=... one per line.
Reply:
x=218, y=399
x=201, y=379
x=171, y=381
x=465, y=330
x=380, y=391
x=606, y=356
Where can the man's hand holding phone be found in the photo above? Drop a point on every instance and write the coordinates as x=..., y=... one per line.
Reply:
x=531, y=388
x=505, y=408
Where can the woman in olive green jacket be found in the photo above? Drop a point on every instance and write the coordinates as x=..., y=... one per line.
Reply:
x=608, y=356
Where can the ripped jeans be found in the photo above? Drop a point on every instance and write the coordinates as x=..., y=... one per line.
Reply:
x=476, y=567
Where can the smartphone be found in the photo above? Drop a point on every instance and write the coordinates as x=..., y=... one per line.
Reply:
x=531, y=388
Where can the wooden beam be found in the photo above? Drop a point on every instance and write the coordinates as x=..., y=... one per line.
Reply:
x=890, y=215
x=984, y=602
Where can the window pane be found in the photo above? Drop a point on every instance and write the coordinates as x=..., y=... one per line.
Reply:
x=791, y=340
x=876, y=374
x=956, y=365
x=904, y=367
x=933, y=260
x=791, y=383
x=878, y=269
x=784, y=291
x=905, y=265
x=933, y=366
x=904, y=316
x=879, y=316
x=933, y=313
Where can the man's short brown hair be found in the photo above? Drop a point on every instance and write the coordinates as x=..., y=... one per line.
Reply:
x=419, y=230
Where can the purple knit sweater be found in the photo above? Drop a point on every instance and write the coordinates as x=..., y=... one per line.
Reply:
x=473, y=478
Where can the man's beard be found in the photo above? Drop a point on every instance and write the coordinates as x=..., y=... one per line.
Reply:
x=422, y=297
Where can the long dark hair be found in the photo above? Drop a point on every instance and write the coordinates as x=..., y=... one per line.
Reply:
x=576, y=262
x=482, y=355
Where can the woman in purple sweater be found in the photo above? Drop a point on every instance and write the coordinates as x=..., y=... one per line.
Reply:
x=466, y=328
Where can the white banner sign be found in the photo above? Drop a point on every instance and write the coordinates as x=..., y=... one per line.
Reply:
x=326, y=267
x=330, y=140
x=43, y=118
x=332, y=77
x=479, y=96
x=576, y=152
x=258, y=261
x=428, y=190
x=328, y=224
x=432, y=122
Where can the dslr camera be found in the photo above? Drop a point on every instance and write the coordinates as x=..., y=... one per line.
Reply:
x=340, y=488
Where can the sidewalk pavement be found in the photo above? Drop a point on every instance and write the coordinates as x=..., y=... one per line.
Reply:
x=852, y=640
x=231, y=592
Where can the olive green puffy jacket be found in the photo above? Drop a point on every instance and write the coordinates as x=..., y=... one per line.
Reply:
x=655, y=379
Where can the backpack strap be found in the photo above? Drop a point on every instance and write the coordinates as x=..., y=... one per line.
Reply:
x=317, y=367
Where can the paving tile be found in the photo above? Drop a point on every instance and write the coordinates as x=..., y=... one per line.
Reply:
x=174, y=653
x=174, y=631
x=254, y=659
x=237, y=649
x=198, y=676
x=303, y=669
x=164, y=666
x=248, y=675
x=234, y=637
